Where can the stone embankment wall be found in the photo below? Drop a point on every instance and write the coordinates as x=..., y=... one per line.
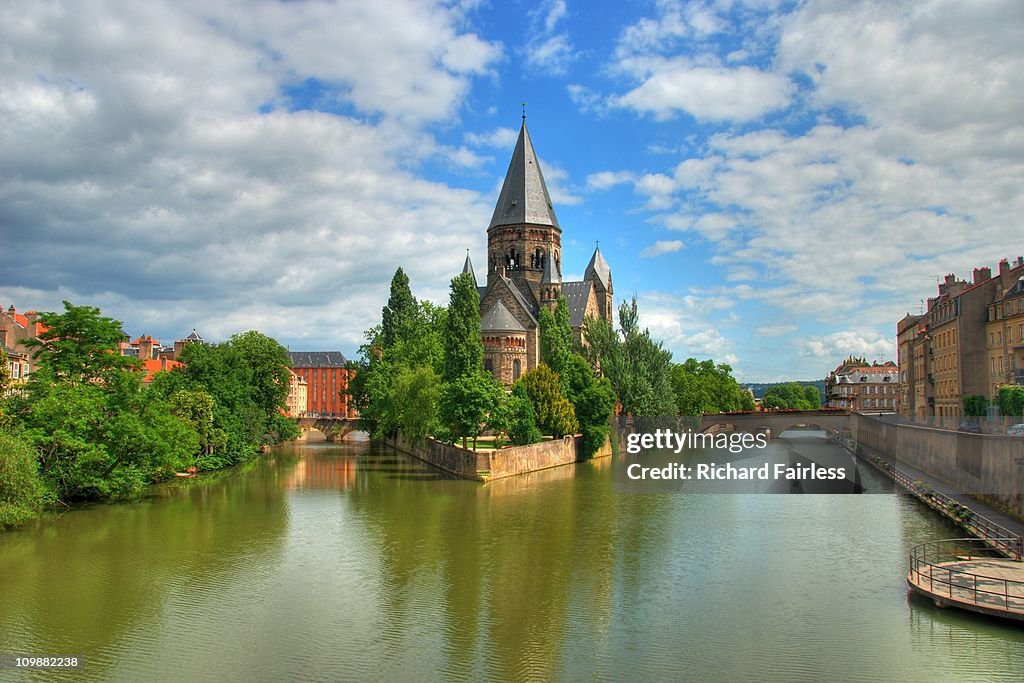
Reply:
x=504, y=462
x=988, y=467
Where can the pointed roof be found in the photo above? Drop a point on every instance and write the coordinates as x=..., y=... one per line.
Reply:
x=524, y=197
x=467, y=267
x=501, y=319
x=550, y=273
x=598, y=267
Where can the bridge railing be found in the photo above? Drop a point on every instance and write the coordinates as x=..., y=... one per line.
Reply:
x=930, y=570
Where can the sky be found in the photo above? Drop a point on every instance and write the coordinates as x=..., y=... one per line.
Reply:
x=778, y=183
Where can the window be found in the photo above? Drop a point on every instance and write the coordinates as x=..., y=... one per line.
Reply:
x=516, y=369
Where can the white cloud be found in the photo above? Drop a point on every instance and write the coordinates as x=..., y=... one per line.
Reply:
x=712, y=93
x=603, y=180
x=661, y=247
x=859, y=343
x=138, y=173
x=549, y=51
x=499, y=138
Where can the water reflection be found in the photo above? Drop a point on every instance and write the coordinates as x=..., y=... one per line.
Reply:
x=346, y=562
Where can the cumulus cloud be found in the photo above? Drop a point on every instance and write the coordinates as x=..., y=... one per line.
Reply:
x=548, y=50
x=661, y=247
x=842, y=344
x=170, y=164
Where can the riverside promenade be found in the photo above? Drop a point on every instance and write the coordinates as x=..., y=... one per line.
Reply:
x=983, y=574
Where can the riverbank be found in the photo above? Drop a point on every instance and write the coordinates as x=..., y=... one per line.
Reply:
x=499, y=463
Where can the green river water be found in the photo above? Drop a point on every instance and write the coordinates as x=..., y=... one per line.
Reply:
x=350, y=562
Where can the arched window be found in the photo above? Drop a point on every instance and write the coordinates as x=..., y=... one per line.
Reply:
x=516, y=369
x=489, y=365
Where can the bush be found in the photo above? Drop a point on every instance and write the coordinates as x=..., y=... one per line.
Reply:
x=21, y=490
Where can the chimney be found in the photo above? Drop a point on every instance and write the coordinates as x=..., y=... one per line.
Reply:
x=1004, y=267
x=982, y=274
x=146, y=347
x=11, y=311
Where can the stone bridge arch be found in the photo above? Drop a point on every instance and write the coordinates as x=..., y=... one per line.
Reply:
x=776, y=422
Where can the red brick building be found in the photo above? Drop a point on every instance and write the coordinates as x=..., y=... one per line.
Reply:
x=326, y=380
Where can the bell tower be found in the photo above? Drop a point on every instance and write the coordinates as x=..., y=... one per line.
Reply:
x=524, y=238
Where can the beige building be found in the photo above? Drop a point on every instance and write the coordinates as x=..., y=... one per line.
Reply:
x=861, y=387
x=298, y=396
x=959, y=344
x=1005, y=336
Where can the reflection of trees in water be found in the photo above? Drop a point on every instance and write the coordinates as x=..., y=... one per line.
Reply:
x=81, y=582
x=516, y=565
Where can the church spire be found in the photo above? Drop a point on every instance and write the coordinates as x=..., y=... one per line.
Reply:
x=551, y=275
x=467, y=267
x=524, y=197
x=598, y=268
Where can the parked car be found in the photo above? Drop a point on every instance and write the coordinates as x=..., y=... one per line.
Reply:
x=1016, y=430
x=969, y=427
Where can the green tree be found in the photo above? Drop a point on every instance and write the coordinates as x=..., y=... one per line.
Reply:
x=645, y=387
x=415, y=395
x=463, y=349
x=792, y=396
x=79, y=345
x=555, y=335
x=466, y=404
x=522, y=421
x=1011, y=400
x=21, y=489
x=399, y=313
x=975, y=405
x=703, y=387
x=594, y=407
x=555, y=414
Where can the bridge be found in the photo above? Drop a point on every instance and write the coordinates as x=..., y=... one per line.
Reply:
x=774, y=422
x=334, y=428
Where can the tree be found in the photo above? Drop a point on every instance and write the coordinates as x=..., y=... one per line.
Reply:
x=555, y=414
x=703, y=387
x=522, y=422
x=792, y=396
x=1011, y=400
x=21, y=490
x=80, y=345
x=463, y=349
x=555, y=335
x=399, y=312
x=466, y=403
x=594, y=407
x=975, y=405
x=645, y=388
x=415, y=395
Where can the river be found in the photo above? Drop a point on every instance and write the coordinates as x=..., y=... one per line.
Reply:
x=348, y=562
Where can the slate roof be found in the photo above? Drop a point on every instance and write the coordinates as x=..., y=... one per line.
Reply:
x=524, y=197
x=1016, y=290
x=317, y=359
x=467, y=267
x=550, y=273
x=500, y=319
x=576, y=296
x=599, y=267
x=194, y=336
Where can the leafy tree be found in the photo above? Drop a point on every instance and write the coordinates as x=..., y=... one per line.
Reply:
x=415, y=395
x=594, y=407
x=975, y=405
x=703, y=387
x=463, y=349
x=522, y=422
x=555, y=335
x=79, y=345
x=555, y=414
x=21, y=489
x=399, y=312
x=792, y=396
x=5, y=371
x=1011, y=400
x=466, y=403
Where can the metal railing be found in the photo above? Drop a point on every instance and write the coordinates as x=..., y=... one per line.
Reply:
x=933, y=568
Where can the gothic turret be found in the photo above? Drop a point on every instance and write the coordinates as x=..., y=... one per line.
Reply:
x=467, y=267
x=600, y=275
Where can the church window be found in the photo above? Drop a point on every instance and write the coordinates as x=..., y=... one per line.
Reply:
x=489, y=365
x=516, y=369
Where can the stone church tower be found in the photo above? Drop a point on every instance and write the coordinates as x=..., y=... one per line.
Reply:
x=524, y=270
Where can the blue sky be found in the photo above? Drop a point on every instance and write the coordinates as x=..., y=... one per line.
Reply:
x=777, y=182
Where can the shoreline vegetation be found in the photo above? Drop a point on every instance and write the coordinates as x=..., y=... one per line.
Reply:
x=85, y=428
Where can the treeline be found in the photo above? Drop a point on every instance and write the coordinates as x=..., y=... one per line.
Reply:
x=421, y=371
x=85, y=427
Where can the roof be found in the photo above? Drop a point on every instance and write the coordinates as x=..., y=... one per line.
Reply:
x=155, y=365
x=500, y=318
x=527, y=302
x=1016, y=290
x=599, y=267
x=194, y=336
x=577, y=294
x=317, y=359
x=550, y=272
x=467, y=267
x=524, y=196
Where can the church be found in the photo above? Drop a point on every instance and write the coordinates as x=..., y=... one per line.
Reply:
x=524, y=271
